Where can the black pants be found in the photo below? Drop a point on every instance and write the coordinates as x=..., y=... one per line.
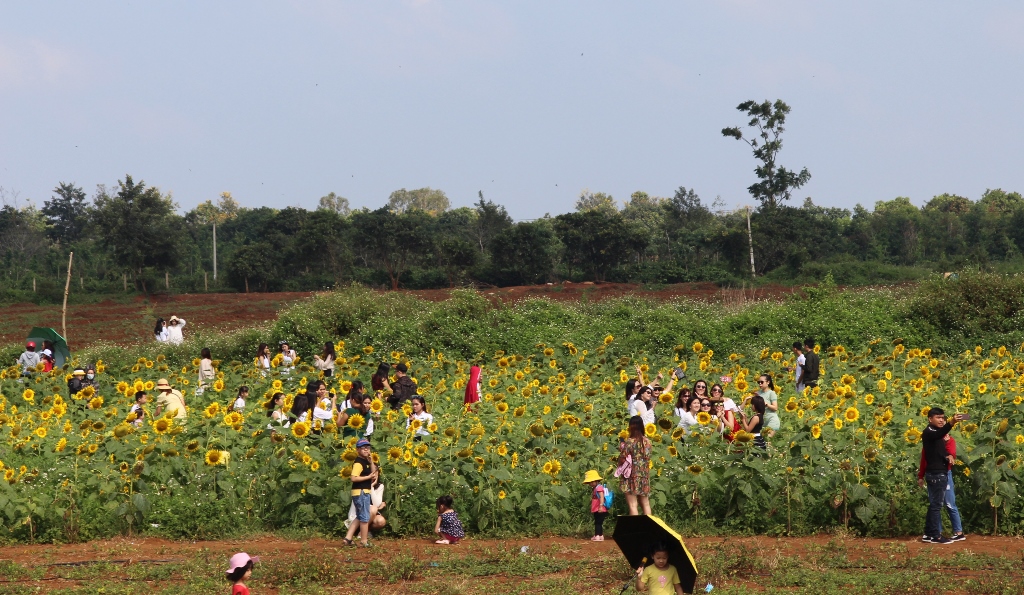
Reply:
x=599, y=522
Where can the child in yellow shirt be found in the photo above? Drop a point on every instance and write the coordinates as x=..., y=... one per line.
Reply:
x=660, y=578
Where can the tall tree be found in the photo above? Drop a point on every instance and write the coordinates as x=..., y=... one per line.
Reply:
x=767, y=120
x=491, y=219
x=595, y=241
x=524, y=253
x=139, y=228
x=596, y=201
x=335, y=203
x=390, y=240
x=426, y=199
x=66, y=214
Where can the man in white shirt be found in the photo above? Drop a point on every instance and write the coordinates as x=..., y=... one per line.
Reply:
x=800, y=361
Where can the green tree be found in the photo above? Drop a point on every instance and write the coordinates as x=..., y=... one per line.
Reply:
x=524, y=253
x=596, y=201
x=594, y=241
x=767, y=120
x=225, y=210
x=491, y=219
x=66, y=213
x=392, y=241
x=335, y=203
x=427, y=199
x=139, y=228
x=255, y=264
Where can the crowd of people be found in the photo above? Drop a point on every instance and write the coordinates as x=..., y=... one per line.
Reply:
x=700, y=411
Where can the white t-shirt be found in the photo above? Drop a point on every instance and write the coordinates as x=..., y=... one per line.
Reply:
x=174, y=336
x=239, y=405
x=425, y=420
x=687, y=420
x=323, y=411
x=638, y=407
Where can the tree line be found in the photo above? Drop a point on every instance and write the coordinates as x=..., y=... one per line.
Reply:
x=133, y=235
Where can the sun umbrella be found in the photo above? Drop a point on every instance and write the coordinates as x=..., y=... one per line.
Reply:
x=60, y=346
x=636, y=535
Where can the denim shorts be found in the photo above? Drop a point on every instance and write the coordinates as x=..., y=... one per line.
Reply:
x=363, y=503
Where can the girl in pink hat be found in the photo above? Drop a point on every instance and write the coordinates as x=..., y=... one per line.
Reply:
x=239, y=571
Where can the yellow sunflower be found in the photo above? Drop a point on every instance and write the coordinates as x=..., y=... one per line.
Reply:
x=213, y=457
x=357, y=421
x=300, y=429
x=816, y=432
x=852, y=414
x=703, y=418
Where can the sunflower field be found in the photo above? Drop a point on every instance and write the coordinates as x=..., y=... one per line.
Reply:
x=75, y=467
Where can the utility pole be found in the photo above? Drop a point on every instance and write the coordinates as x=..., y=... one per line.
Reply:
x=64, y=310
x=750, y=240
x=214, y=250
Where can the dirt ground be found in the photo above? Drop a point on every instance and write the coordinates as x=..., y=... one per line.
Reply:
x=152, y=549
x=133, y=322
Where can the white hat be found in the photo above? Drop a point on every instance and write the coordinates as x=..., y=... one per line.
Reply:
x=174, y=319
x=47, y=352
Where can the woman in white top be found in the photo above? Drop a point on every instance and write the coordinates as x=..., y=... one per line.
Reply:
x=419, y=411
x=174, y=326
x=688, y=419
x=643, y=406
x=206, y=371
x=682, y=398
x=263, y=358
x=277, y=417
x=288, y=357
x=325, y=361
x=160, y=332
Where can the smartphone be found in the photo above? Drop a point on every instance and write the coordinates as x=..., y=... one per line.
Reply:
x=964, y=416
x=679, y=373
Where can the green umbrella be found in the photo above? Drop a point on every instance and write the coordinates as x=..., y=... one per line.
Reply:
x=636, y=535
x=60, y=346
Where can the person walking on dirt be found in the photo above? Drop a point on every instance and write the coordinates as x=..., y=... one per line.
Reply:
x=403, y=389
x=174, y=326
x=936, y=471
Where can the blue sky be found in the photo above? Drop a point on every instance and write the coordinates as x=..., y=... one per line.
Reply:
x=530, y=102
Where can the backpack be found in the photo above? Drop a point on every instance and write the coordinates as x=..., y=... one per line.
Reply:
x=608, y=497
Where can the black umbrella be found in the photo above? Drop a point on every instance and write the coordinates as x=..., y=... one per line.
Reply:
x=636, y=535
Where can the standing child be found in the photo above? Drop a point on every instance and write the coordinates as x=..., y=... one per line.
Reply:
x=448, y=525
x=660, y=578
x=598, y=502
x=239, y=571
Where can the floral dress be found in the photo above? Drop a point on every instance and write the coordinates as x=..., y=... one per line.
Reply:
x=639, y=481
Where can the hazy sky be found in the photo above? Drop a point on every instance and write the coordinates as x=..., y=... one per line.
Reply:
x=530, y=102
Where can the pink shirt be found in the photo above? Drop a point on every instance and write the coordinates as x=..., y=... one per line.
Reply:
x=597, y=499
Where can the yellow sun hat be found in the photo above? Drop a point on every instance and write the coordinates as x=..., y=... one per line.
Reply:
x=592, y=475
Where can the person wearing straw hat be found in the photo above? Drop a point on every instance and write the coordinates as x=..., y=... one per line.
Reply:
x=174, y=326
x=77, y=382
x=599, y=497
x=169, y=399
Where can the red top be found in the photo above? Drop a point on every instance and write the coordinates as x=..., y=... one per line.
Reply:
x=239, y=589
x=597, y=499
x=472, y=390
x=950, y=449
